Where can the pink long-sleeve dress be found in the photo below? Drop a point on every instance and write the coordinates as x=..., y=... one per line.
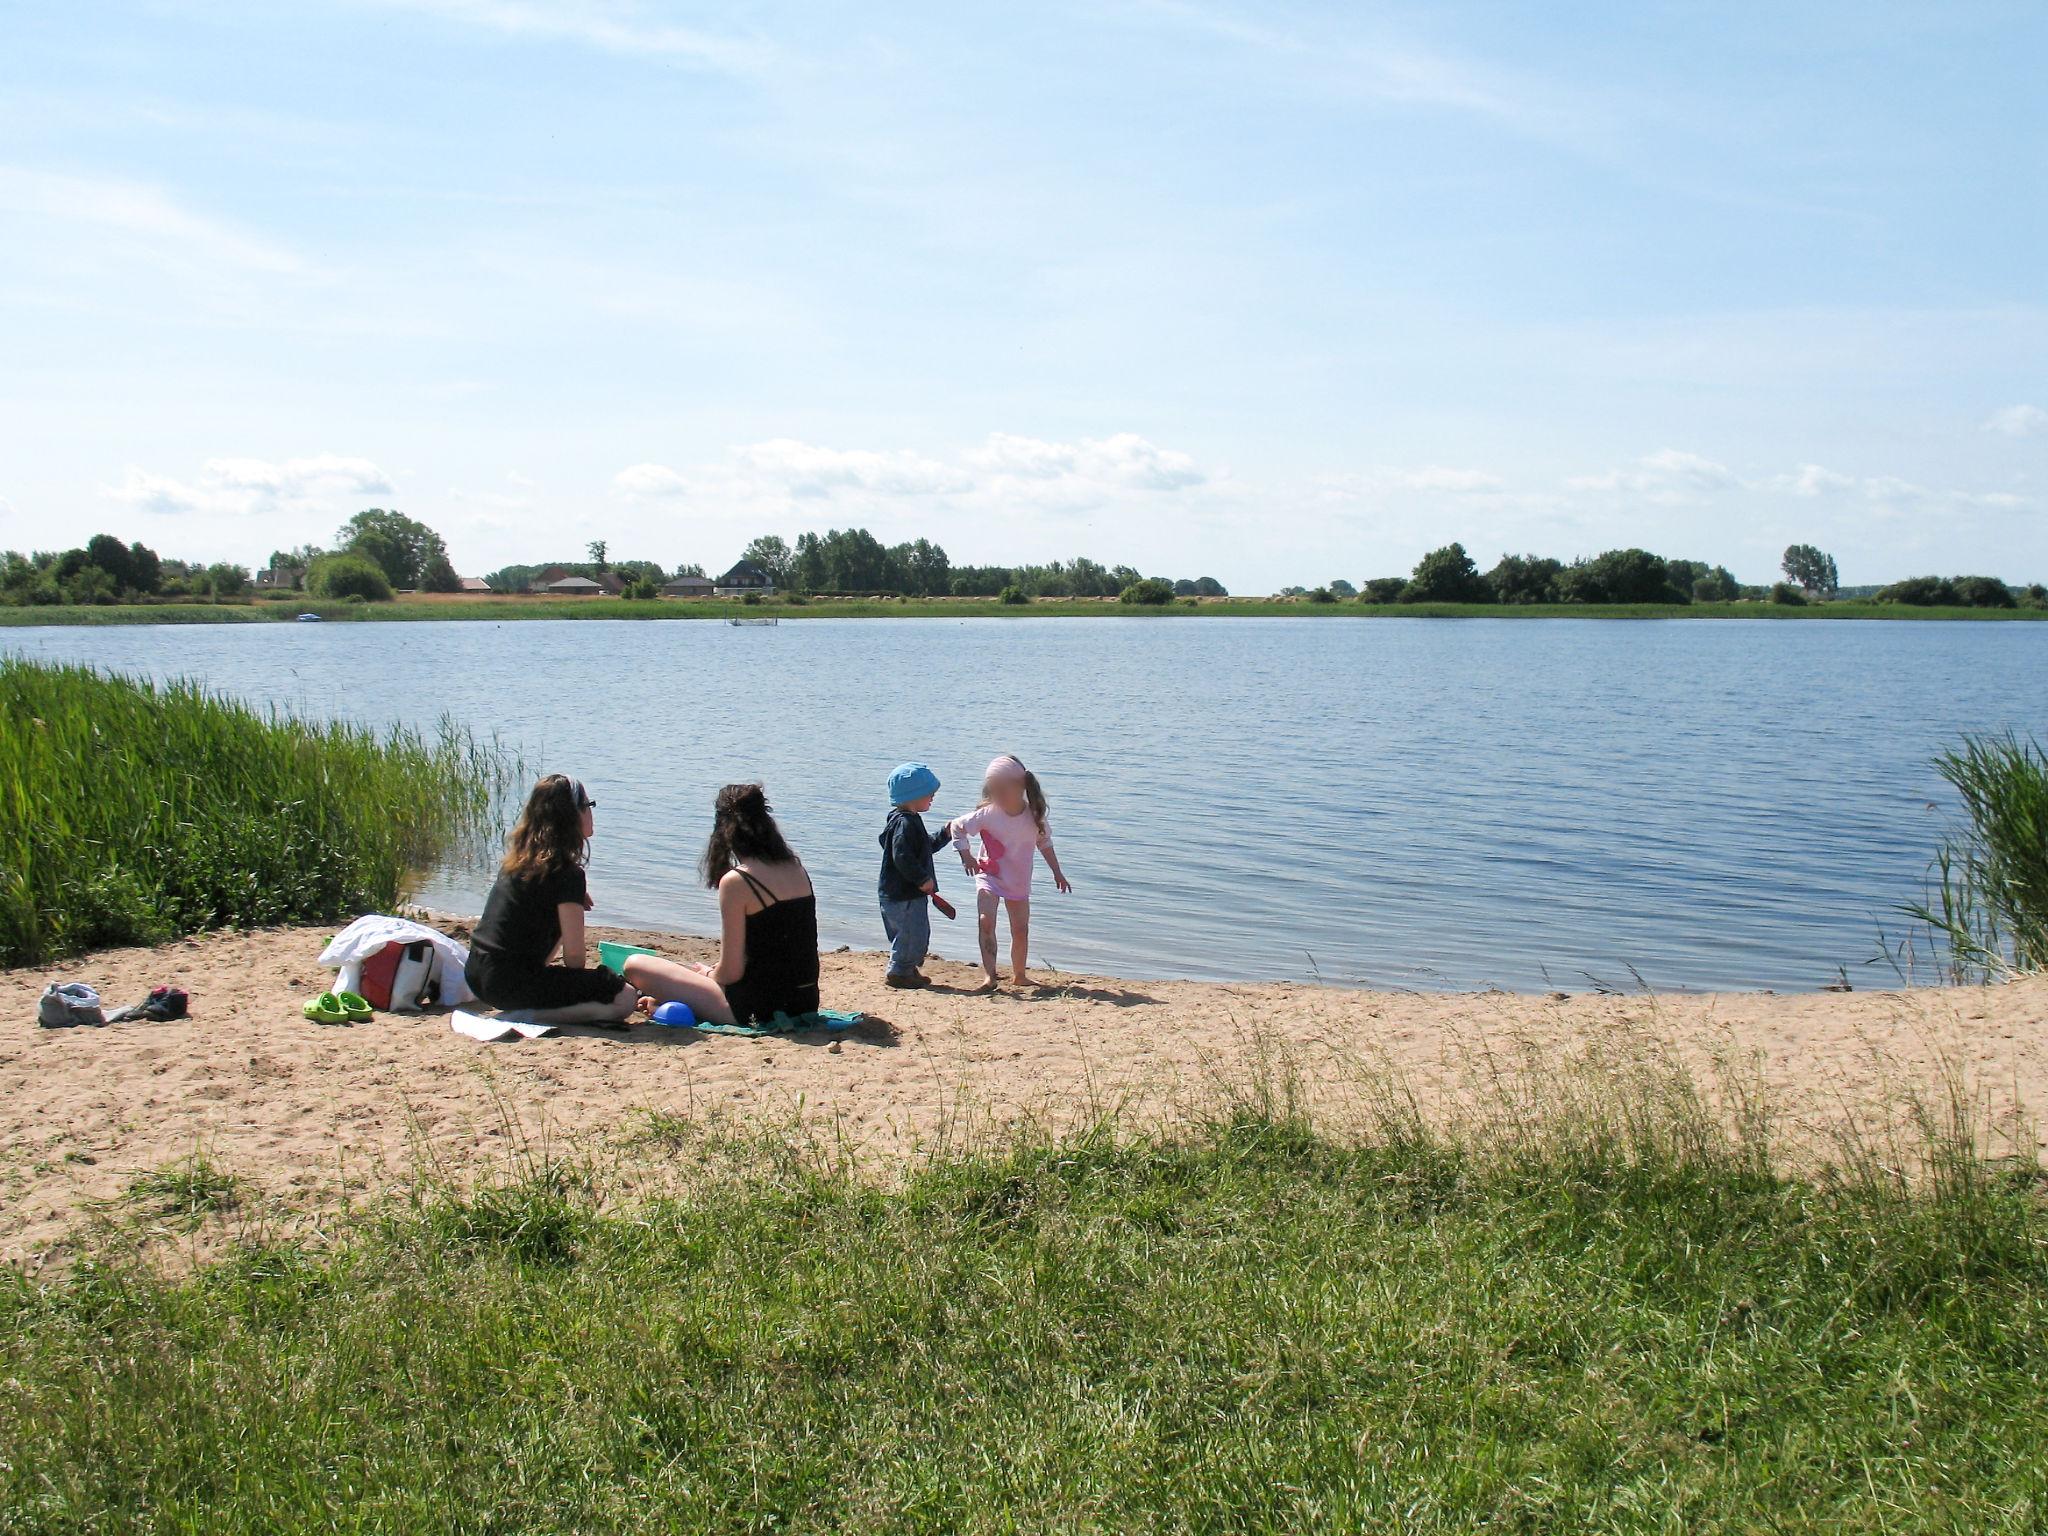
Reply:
x=1010, y=848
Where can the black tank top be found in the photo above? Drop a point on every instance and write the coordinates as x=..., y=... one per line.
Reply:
x=782, y=957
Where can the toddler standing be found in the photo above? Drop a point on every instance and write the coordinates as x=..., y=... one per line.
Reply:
x=908, y=880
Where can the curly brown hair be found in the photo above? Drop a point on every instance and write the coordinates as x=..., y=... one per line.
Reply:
x=549, y=833
x=742, y=828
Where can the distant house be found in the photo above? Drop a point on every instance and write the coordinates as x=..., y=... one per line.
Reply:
x=743, y=578
x=283, y=577
x=550, y=580
x=576, y=586
x=475, y=584
x=687, y=586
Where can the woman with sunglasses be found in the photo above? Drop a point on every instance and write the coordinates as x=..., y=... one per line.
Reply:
x=535, y=913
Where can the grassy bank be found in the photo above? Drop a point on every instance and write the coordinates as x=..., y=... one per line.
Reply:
x=1618, y=1328
x=131, y=813
x=418, y=609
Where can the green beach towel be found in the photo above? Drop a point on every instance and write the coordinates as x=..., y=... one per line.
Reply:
x=783, y=1024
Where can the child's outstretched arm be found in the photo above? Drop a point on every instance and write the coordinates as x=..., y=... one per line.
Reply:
x=1052, y=862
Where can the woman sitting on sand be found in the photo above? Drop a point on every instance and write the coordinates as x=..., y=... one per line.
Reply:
x=767, y=918
x=536, y=909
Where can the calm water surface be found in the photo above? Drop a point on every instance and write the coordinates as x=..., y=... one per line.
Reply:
x=1417, y=803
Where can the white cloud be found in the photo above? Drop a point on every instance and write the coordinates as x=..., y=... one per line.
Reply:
x=1667, y=476
x=613, y=28
x=1005, y=472
x=1814, y=480
x=1122, y=460
x=650, y=481
x=2019, y=421
x=804, y=469
x=148, y=213
x=255, y=487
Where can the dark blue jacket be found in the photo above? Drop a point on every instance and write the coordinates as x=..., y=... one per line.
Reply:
x=907, y=855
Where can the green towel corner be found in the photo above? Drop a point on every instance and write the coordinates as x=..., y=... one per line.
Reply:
x=783, y=1024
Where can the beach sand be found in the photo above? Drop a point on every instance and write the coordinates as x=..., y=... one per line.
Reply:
x=315, y=1120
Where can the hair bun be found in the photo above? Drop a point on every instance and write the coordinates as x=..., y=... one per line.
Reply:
x=744, y=797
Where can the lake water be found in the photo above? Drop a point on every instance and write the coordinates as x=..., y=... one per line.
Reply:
x=1413, y=803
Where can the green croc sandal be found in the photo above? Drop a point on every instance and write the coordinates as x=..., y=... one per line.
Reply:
x=357, y=1008
x=325, y=1009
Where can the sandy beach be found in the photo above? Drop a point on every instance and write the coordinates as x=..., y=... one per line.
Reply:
x=316, y=1119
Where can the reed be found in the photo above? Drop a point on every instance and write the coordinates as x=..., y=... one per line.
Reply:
x=131, y=812
x=1988, y=904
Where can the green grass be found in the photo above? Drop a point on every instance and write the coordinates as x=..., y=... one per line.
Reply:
x=188, y=1190
x=1618, y=1329
x=130, y=813
x=499, y=610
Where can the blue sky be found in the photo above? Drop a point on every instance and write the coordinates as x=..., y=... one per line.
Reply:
x=1272, y=292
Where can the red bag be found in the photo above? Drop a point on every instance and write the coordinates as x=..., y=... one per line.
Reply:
x=378, y=971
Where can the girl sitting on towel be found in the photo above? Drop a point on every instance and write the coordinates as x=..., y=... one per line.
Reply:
x=535, y=911
x=1010, y=821
x=767, y=919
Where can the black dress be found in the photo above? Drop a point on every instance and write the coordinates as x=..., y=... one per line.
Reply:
x=782, y=958
x=519, y=929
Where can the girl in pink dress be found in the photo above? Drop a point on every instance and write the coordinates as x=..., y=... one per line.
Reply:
x=1010, y=821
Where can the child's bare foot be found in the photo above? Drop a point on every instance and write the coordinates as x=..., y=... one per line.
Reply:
x=1024, y=980
x=988, y=984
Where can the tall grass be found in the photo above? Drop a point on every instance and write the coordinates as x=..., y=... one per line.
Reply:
x=131, y=812
x=1618, y=1325
x=1988, y=906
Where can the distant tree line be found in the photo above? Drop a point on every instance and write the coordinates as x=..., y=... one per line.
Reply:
x=1962, y=592
x=105, y=570
x=1449, y=575
x=854, y=560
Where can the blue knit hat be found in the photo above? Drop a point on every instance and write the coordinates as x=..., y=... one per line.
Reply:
x=912, y=781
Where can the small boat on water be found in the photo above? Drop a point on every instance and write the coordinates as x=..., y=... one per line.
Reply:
x=737, y=622
x=309, y=618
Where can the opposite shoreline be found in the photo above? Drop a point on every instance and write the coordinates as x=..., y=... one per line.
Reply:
x=515, y=609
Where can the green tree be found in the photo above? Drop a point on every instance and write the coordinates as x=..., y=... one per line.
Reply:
x=690, y=568
x=107, y=553
x=1446, y=575
x=439, y=576
x=348, y=575
x=811, y=573
x=1983, y=592
x=1717, y=585
x=1920, y=592
x=926, y=570
x=774, y=557
x=1811, y=568
x=1147, y=592
x=1619, y=576
x=400, y=546
x=1342, y=588
x=1524, y=579
x=596, y=549
x=1383, y=589
x=225, y=580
